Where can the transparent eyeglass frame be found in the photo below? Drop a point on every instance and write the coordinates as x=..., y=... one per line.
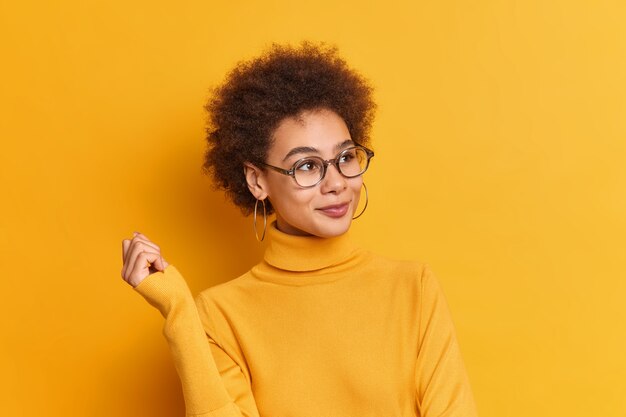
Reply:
x=325, y=163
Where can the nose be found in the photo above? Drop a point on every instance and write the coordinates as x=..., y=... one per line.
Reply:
x=333, y=181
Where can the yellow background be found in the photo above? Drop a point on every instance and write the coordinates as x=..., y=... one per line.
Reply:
x=500, y=148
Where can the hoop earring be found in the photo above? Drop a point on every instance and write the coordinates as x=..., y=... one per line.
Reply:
x=366, y=201
x=256, y=234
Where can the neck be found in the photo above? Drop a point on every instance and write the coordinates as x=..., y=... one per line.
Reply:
x=305, y=253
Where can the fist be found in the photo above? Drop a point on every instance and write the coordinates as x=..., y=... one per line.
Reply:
x=141, y=258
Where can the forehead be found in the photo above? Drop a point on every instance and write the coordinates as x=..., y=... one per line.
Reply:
x=320, y=129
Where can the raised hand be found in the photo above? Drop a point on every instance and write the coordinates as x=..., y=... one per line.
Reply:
x=141, y=257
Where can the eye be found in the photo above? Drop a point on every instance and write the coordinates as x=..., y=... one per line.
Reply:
x=308, y=165
x=347, y=156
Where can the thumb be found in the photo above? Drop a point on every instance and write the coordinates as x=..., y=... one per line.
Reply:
x=159, y=263
x=156, y=262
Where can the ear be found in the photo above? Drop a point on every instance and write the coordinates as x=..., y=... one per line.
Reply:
x=255, y=177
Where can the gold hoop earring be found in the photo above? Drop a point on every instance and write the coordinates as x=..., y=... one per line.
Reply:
x=256, y=234
x=366, y=201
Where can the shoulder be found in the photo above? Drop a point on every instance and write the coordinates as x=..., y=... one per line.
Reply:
x=411, y=281
x=221, y=305
x=398, y=278
x=229, y=290
x=397, y=269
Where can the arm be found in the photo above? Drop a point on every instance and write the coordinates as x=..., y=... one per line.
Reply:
x=203, y=389
x=442, y=385
x=162, y=286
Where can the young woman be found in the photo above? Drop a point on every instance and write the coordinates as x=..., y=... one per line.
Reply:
x=319, y=327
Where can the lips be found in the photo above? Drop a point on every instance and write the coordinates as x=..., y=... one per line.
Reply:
x=335, y=210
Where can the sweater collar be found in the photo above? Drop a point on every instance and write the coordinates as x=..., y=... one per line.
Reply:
x=306, y=253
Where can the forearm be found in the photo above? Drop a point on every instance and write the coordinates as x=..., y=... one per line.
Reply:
x=203, y=389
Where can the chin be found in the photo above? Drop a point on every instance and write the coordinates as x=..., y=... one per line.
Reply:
x=332, y=227
x=318, y=225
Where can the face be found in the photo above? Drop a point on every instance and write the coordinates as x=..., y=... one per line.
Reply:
x=324, y=210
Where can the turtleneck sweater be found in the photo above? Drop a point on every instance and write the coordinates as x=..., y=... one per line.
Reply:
x=319, y=328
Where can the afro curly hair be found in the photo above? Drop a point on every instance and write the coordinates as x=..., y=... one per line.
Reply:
x=257, y=95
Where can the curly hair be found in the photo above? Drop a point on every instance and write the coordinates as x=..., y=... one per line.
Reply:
x=258, y=94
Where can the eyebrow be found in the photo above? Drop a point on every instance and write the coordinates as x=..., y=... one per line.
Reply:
x=309, y=149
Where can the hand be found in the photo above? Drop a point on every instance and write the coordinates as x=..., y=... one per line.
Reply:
x=141, y=258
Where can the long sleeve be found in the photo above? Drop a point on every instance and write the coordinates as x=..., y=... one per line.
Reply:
x=443, y=388
x=228, y=359
x=203, y=389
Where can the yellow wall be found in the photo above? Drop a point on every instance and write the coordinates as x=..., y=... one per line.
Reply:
x=501, y=145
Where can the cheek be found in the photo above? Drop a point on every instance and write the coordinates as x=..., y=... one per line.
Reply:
x=301, y=198
x=356, y=184
x=288, y=199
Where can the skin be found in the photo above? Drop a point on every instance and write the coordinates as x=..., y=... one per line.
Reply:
x=300, y=211
x=325, y=210
x=141, y=257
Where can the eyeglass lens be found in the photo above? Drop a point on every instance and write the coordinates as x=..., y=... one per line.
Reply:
x=351, y=163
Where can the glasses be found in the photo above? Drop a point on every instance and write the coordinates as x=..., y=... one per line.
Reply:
x=310, y=171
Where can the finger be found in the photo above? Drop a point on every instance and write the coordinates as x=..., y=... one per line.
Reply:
x=125, y=246
x=142, y=267
x=154, y=261
x=131, y=247
x=144, y=239
x=136, y=245
x=137, y=270
x=160, y=264
x=141, y=236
